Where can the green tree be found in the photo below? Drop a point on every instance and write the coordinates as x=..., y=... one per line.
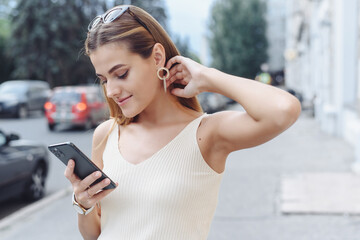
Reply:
x=182, y=45
x=6, y=61
x=238, y=41
x=47, y=38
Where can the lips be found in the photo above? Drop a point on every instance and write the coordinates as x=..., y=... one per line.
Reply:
x=122, y=101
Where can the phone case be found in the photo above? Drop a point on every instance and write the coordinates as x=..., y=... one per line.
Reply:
x=83, y=165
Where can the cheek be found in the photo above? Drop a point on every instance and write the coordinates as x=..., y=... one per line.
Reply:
x=149, y=83
x=144, y=81
x=147, y=91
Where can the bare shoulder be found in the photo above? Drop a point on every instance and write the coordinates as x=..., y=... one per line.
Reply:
x=99, y=141
x=209, y=137
x=103, y=130
x=217, y=125
x=212, y=124
x=221, y=128
x=214, y=120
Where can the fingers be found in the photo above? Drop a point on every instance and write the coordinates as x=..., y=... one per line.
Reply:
x=176, y=69
x=69, y=172
x=173, y=60
x=78, y=184
x=86, y=182
x=178, y=75
x=90, y=196
x=85, y=195
x=100, y=195
x=185, y=72
x=179, y=92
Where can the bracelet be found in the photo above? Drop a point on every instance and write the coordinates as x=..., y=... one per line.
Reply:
x=79, y=208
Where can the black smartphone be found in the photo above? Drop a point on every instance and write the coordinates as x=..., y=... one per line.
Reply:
x=83, y=165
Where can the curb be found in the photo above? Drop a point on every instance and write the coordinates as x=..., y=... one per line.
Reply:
x=14, y=218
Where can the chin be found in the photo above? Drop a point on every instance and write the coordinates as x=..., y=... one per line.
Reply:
x=129, y=113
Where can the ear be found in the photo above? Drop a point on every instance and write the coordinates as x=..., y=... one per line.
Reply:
x=159, y=55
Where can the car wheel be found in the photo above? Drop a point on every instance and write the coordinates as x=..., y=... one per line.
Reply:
x=51, y=126
x=22, y=112
x=36, y=186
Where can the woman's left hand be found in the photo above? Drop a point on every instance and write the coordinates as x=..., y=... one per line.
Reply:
x=188, y=73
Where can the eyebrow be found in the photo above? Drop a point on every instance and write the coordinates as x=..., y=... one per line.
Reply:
x=113, y=69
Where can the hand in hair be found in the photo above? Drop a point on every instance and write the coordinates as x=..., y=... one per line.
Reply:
x=188, y=73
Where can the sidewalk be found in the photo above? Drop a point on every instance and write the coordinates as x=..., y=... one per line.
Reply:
x=253, y=194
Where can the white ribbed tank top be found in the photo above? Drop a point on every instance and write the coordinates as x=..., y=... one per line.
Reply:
x=171, y=195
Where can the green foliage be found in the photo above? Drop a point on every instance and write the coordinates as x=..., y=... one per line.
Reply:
x=48, y=36
x=46, y=41
x=183, y=46
x=4, y=28
x=5, y=60
x=238, y=41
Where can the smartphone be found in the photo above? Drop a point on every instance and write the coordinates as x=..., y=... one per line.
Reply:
x=83, y=165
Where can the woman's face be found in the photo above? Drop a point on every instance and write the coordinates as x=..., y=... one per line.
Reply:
x=129, y=80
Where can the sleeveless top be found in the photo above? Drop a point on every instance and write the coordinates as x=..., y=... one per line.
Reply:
x=171, y=195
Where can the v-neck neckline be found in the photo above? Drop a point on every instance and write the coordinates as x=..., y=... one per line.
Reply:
x=158, y=151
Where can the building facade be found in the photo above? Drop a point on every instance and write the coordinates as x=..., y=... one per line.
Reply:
x=275, y=33
x=322, y=62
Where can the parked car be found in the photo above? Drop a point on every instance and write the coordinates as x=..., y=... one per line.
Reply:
x=19, y=97
x=82, y=106
x=23, y=168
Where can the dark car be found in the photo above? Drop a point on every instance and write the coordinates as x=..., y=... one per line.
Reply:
x=23, y=168
x=19, y=97
x=82, y=106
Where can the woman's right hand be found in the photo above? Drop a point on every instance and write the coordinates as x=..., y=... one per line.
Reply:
x=85, y=195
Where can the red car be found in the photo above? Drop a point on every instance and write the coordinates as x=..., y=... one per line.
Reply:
x=82, y=106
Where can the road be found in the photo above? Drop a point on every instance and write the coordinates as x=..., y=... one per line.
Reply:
x=35, y=128
x=250, y=200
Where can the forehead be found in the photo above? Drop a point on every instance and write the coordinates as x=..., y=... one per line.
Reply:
x=110, y=54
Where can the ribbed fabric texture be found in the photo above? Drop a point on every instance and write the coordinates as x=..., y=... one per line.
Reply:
x=171, y=195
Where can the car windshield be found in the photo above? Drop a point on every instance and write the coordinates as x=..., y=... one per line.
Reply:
x=10, y=88
x=65, y=97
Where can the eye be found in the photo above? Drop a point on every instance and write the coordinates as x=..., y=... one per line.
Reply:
x=123, y=76
x=102, y=81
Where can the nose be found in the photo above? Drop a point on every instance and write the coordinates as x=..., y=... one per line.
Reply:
x=112, y=89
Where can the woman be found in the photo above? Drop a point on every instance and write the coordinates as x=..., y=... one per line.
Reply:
x=166, y=155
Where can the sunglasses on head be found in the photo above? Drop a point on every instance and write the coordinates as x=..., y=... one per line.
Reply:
x=113, y=14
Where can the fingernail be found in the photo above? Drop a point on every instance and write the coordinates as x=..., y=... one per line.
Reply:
x=97, y=174
x=107, y=181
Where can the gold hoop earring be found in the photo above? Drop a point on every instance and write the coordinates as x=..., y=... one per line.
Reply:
x=164, y=77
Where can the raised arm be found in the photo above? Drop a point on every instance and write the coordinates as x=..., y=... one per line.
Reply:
x=268, y=110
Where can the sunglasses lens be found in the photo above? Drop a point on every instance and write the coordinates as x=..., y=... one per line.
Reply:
x=94, y=22
x=112, y=15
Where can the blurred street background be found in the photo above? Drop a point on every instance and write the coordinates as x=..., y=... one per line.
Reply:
x=302, y=185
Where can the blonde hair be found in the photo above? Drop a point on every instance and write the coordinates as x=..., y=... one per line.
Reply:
x=126, y=29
